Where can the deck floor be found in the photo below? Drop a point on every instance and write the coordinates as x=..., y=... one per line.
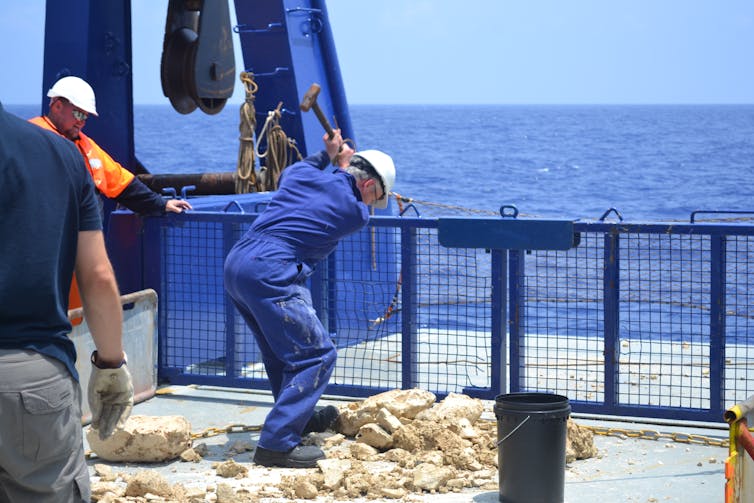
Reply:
x=626, y=470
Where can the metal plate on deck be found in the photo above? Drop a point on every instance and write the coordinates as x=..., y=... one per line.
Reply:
x=506, y=234
x=139, y=342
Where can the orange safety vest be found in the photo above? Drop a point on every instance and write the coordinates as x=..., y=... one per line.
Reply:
x=109, y=177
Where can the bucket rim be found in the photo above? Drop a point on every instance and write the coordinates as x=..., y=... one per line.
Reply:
x=548, y=397
x=532, y=403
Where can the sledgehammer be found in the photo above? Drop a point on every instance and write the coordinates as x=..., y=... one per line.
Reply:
x=309, y=102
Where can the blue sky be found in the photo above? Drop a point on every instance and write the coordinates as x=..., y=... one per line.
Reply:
x=476, y=51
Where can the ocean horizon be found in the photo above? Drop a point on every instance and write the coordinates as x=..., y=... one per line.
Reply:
x=647, y=162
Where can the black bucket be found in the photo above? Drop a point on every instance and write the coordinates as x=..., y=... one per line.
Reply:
x=531, y=432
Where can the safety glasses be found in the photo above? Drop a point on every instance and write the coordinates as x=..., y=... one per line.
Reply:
x=79, y=115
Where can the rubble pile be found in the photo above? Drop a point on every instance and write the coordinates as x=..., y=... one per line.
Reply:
x=395, y=445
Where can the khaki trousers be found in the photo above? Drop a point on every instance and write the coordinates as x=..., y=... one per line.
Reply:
x=41, y=444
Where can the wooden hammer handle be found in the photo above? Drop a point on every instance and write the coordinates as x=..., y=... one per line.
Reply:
x=323, y=120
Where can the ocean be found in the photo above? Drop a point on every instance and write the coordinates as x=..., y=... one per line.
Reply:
x=648, y=162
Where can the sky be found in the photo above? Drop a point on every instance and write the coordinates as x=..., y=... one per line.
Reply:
x=475, y=51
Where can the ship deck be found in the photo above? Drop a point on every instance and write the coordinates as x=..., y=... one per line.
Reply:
x=659, y=465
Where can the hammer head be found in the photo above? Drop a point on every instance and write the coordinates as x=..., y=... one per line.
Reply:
x=310, y=98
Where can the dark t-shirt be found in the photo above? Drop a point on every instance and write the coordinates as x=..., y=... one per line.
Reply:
x=46, y=198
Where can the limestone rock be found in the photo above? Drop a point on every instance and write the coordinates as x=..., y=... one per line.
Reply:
x=306, y=490
x=430, y=457
x=144, y=439
x=463, y=457
x=333, y=471
x=400, y=456
x=333, y=441
x=392, y=492
x=400, y=403
x=362, y=451
x=190, y=455
x=464, y=429
x=148, y=482
x=373, y=434
x=579, y=442
x=104, y=472
x=196, y=494
x=409, y=438
x=428, y=477
x=101, y=490
x=454, y=407
x=387, y=421
x=231, y=469
x=226, y=494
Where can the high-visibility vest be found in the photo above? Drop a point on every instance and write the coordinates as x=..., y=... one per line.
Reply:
x=109, y=176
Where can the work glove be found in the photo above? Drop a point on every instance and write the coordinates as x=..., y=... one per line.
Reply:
x=111, y=397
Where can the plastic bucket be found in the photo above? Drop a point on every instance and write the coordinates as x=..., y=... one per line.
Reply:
x=531, y=432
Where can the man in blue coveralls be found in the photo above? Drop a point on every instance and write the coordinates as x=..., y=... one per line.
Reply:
x=315, y=206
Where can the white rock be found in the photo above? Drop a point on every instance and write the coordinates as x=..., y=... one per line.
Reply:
x=363, y=452
x=333, y=471
x=144, y=439
x=372, y=434
x=400, y=403
x=428, y=477
x=387, y=421
x=454, y=407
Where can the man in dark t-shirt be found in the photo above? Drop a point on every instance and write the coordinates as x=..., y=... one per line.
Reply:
x=50, y=226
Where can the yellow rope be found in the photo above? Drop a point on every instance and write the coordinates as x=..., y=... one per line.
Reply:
x=246, y=178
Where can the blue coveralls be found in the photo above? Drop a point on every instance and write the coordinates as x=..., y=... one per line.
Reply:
x=265, y=275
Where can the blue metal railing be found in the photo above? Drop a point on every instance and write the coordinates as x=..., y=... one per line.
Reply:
x=649, y=320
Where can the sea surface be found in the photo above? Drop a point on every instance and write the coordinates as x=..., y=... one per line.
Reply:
x=649, y=163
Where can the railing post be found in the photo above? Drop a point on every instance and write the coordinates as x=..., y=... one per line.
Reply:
x=499, y=358
x=409, y=342
x=228, y=241
x=515, y=286
x=611, y=304
x=717, y=322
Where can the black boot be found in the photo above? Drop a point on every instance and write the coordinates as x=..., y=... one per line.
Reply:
x=301, y=456
x=322, y=420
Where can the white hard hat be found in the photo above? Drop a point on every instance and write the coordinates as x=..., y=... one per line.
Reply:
x=383, y=165
x=77, y=91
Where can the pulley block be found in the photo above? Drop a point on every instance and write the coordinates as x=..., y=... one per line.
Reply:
x=198, y=64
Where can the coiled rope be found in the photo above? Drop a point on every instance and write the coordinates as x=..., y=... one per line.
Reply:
x=279, y=146
x=246, y=177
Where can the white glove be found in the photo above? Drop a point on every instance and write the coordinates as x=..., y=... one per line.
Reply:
x=111, y=397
